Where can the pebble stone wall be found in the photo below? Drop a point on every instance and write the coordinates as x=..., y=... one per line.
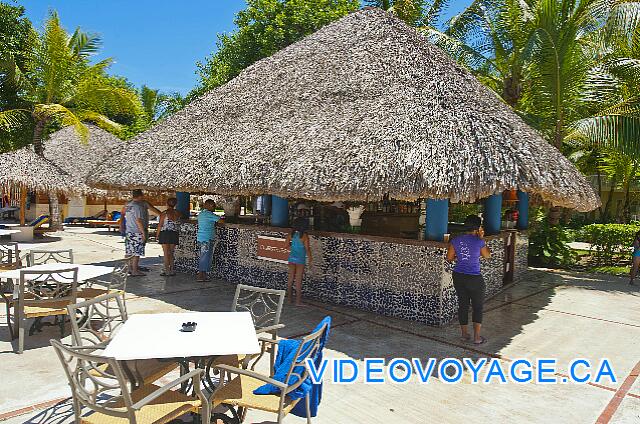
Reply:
x=408, y=281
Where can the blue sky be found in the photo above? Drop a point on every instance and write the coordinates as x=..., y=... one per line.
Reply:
x=153, y=42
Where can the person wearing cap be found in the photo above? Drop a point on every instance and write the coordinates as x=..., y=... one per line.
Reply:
x=466, y=250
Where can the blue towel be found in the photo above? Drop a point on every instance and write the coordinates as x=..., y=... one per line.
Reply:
x=284, y=358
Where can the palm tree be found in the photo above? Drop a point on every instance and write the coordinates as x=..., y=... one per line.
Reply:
x=623, y=172
x=64, y=89
x=418, y=13
x=492, y=39
x=612, y=92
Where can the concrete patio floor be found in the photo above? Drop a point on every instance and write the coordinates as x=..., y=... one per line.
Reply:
x=550, y=314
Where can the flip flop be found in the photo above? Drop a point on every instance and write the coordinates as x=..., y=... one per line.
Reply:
x=164, y=274
x=465, y=339
x=482, y=341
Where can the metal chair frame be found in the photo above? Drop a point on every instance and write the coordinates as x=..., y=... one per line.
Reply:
x=9, y=259
x=105, y=390
x=39, y=256
x=45, y=289
x=97, y=320
x=116, y=282
x=308, y=348
x=265, y=307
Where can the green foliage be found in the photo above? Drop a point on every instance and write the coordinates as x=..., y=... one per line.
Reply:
x=265, y=27
x=610, y=242
x=63, y=88
x=548, y=246
x=17, y=42
x=459, y=211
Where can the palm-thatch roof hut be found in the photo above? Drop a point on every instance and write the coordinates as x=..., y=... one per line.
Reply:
x=23, y=167
x=76, y=156
x=363, y=107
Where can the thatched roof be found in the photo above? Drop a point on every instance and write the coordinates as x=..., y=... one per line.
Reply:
x=24, y=168
x=76, y=156
x=364, y=106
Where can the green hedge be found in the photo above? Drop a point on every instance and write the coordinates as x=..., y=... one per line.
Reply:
x=549, y=246
x=609, y=242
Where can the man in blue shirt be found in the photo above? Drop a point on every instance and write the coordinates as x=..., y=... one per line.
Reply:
x=206, y=235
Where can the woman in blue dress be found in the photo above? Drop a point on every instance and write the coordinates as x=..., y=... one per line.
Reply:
x=299, y=255
x=635, y=258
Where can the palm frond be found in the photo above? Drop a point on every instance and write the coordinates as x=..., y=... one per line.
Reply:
x=84, y=44
x=433, y=13
x=12, y=119
x=66, y=116
x=617, y=132
x=97, y=94
x=464, y=54
x=150, y=101
x=624, y=16
x=100, y=120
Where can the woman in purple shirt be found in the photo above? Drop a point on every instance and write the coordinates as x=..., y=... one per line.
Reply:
x=467, y=249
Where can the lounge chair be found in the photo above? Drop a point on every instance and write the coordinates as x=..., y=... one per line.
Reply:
x=78, y=220
x=8, y=212
x=113, y=223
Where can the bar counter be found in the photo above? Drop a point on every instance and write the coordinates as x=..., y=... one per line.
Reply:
x=397, y=277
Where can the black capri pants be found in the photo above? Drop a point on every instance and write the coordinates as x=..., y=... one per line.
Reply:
x=469, y=288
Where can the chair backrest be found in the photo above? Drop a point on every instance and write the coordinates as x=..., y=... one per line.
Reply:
x=37, y=287
x=9, y=255
x=94, y=386
x=264, y=305
x=95, y=321
x=309, y=348
x=38, y=257
x=119, y=275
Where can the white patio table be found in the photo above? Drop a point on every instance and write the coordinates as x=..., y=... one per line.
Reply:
x=159, y=336
x=85, y=272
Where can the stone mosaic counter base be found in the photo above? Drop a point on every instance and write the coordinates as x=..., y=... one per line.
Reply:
x=403, y=280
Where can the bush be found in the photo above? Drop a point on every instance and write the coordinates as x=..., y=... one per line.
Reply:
x=548, y=246
x=609, y=241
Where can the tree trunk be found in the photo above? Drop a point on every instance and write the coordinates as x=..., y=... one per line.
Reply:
x=607, y=205
x=554, y=215
x=38, y=147
x=599, y=176
x=512, y=90
x=55, y=222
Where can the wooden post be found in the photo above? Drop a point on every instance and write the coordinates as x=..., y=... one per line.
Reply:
x=23, y=204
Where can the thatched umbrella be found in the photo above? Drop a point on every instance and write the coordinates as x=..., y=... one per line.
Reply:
x=78, y=157
x=363, y=107
x=24, y=168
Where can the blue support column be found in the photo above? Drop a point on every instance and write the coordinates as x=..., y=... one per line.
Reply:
x=279, y=212
x=437, y=219
x=263, y=204
x=492, y=214
x=184, y=203
x=523, y=210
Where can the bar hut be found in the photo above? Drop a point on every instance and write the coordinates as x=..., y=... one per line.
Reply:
x=369, y=117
